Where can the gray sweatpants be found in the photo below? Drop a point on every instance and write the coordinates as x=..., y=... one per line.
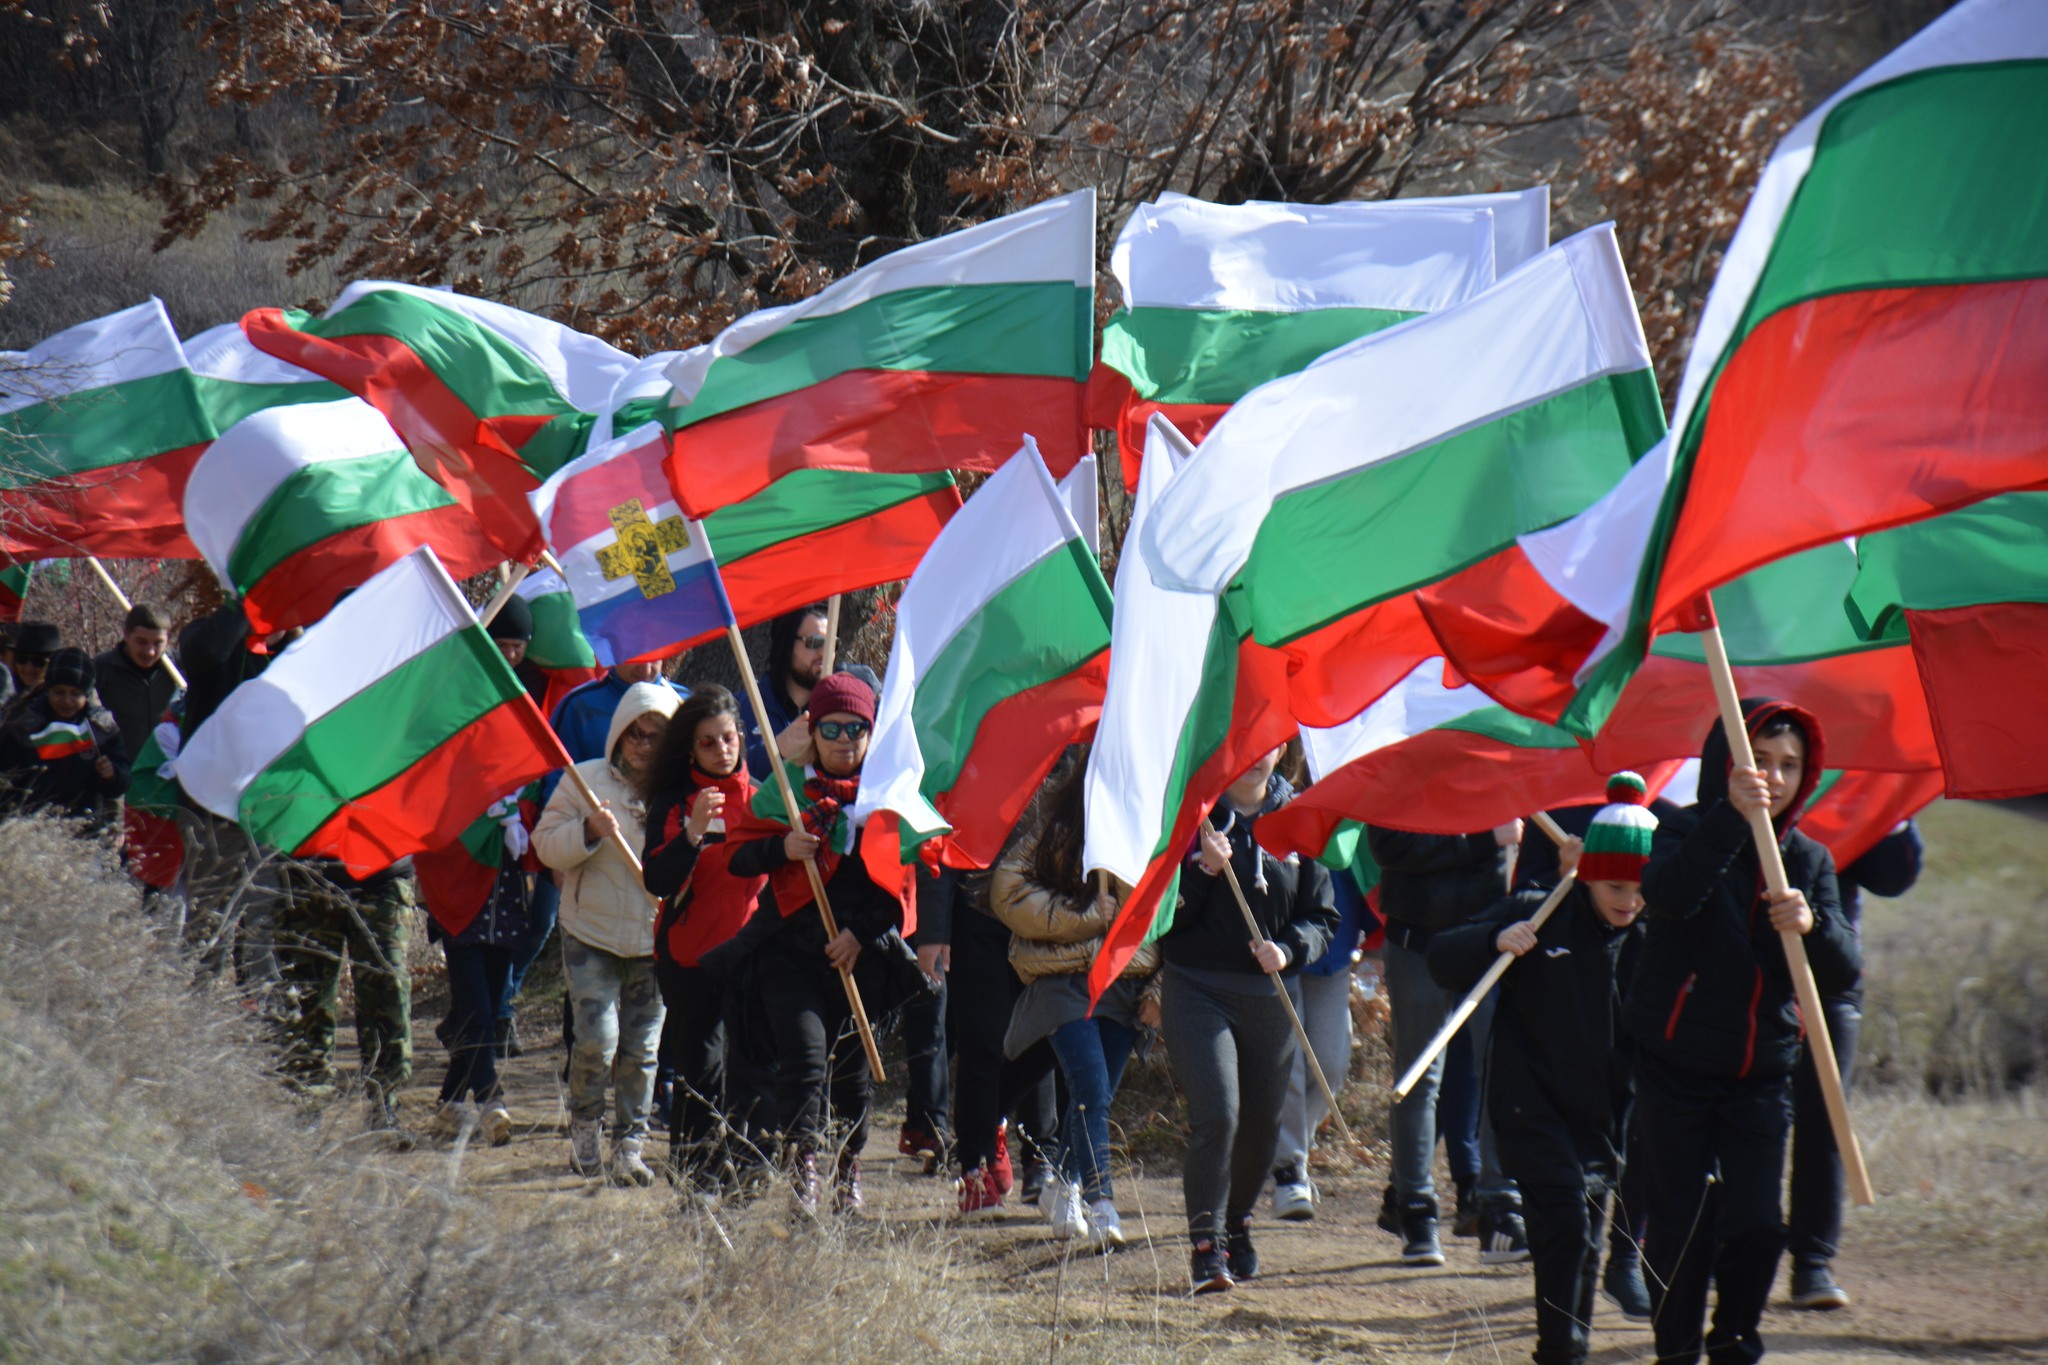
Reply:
x=1326, y=1014
x=1232, y=1052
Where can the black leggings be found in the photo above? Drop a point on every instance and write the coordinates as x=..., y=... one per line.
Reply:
x=980, y=993
x=819, y=1059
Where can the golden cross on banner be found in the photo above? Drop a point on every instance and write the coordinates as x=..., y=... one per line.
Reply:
x=643, y=548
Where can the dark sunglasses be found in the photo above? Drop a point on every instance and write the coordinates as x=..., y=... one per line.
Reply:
x=33, y=660
x=843, y=729
x=811, y=641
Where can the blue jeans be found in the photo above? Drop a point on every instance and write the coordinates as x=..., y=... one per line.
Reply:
x=1091, y=1055
x=541, y=913
x=476, y=988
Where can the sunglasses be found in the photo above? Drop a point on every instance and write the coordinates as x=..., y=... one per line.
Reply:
x=842, y=729
x=811, y=641
x=33, y=660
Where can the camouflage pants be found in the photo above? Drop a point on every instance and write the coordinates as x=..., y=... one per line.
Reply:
x=231, y=895
x=618, y=1032
x=319, y=925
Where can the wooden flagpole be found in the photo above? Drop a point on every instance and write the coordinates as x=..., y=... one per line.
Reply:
x=1458, y=1016
x=788, y=793
x=831, y=636
x=170, y=664
x=503, y=594
x=1820, y=1046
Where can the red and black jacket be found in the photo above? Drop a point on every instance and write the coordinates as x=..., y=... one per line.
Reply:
x=1712, y=992
x=703, y=902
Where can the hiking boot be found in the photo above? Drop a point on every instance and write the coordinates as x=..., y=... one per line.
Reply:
x=803, y=1178
x=921, y=1147
x=1466, y=1224
x=1390, y=1212
x=1105, y=1228
x=1503, y=1240
x=1066, y=1209
x=496, y=1123
x=1240, y=1257
x=1294, y=1199
x=1208, y=1269
x=583, y=1155
x=846, y=1196
x=1814, y=1287
x=1622, y=1282
x=447, y=1120
x=629, y=1163
x=1419, y=1244
x=384, y=1122
x=1000, y=1170
x=1037, y=1179
x=979, y=1197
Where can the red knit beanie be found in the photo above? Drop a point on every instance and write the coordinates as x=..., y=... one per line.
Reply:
x=842, y=692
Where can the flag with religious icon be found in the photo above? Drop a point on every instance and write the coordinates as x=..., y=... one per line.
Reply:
x=641, y=575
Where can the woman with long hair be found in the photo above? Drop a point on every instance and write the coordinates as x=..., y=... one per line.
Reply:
x=1057, y=922
x=695, y=779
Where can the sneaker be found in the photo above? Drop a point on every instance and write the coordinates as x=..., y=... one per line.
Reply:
x=496, y=1123
x=803, y=1178
x=921, y=1147
x=1419, y=1244
x=1105, y=1228
x=1623, y=1285
x=629, y=1163
x=583, y=1155
x=1466, y=1224
x=447, y=1120
x=1066, y=1209
x=1208, y=1270
x=1814, y=1287
x=1037, y=1179
x=1503, y=1240
x=384, y=1122
x=979, y=1197
x=1294, y=1202
x=1000, y=1170
x=508, y=1040
x=1240, y=1257
x=846, y=1196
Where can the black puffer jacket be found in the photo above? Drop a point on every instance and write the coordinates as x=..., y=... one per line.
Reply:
x=1558, y=1070
x=1429, y=882
x=1290, y=898
x=1713, y=993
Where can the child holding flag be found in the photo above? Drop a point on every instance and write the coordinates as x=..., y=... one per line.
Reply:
x=61, y=754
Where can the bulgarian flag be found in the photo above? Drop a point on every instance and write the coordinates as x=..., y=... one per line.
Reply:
x=999, y=662
x=1191, y=703
x=1414, y=455
x=456, y=882
x=1435, y=760
x=490, y=399
x=938, y=356
x=378, y=733
x=236, y=379
x=1871, y=354
x=62, y=739
x=149, y=819
x=295, y=505
x=100, y=426
x=1965, y=595
x=14, y=589
x=1219, y=299
x=557, y=648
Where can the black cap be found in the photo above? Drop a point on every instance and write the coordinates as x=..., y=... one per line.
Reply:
x=70, y=668
x=37, y=637
x=514, y=620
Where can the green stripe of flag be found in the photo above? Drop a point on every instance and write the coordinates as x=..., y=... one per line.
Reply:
x=1211, y=355
x=98, y=428
x=807, y=500
x=325, y=499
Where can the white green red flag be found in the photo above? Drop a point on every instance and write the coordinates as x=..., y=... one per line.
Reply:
x=999, y=662
x=1871, y=354
x=294, y=505
x=457, y=882
x=1221, y=298
x=100, y=426
x=378, y=734
x=938, y=356
x=150, y=837
x=489, y=398
x=1191, y=703
x=236, y=379
x=62, y=739
x=14, y=589
x=1418, y=454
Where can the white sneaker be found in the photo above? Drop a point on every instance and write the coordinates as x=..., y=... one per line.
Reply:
x=1294, y=1202
x=1104, y=1227
x=628, y=1165
x=1065, y=1209
x=496, y=1123
x=447, y=1120
x=583, y=1157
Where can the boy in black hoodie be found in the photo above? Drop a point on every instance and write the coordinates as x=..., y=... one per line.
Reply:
x=1557, y=1073
x=1718, y=1031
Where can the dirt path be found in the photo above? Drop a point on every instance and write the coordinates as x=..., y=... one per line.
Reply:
x=1927, y=1281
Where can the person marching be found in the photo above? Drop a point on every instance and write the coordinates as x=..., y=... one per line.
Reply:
x=1717, y=1028
x=1227, y=1035
x=607, y=923
x=1559, y=1065
x=695, y=783
x=60, y=752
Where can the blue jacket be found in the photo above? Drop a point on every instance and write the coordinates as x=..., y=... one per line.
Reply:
x=584, y=717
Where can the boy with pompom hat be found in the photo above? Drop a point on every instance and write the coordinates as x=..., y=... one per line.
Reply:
x=1558, y=1076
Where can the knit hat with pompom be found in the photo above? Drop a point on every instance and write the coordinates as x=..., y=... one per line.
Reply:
x=1618, y=842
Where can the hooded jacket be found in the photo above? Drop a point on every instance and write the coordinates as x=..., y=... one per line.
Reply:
x=1713, y=993
x=1559, y=1062
x=604, y=903
x=1290, y=898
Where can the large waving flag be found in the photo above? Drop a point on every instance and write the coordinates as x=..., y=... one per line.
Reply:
x=295, y=505
x=938, y=356
x=14, y=589
x=1191, y=704
x=1418, y=454
x=1871, y=354
x=236, y=379
x=379, y=733
x=641, y=574
x=100, y=426
x=1219, y=299
x=999, y=662
x=490, y=399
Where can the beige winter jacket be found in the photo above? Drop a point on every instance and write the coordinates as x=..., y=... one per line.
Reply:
x=603, y=902
x=1050, y=934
